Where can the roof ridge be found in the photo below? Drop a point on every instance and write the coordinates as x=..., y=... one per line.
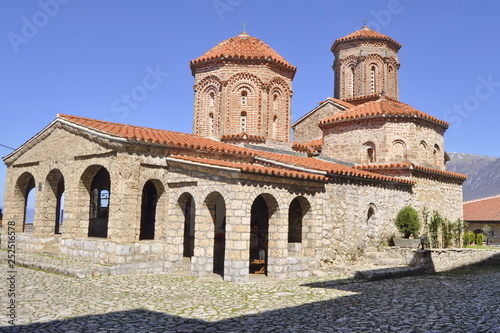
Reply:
x=483, y=199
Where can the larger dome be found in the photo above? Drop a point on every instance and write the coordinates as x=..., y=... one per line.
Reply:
x=242, y=47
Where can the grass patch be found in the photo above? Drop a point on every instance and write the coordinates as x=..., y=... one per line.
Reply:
x=481, y=247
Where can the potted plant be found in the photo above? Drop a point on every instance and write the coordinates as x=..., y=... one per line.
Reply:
x=408, y=223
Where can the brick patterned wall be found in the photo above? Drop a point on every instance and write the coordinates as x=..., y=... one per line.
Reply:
x=360, y=57
x=267, y=107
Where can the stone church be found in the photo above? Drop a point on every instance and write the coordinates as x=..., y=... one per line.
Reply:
x=239, y=196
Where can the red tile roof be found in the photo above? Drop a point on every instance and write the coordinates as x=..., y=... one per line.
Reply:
x=384, y=107
x=487, y=209
x=405, y=165
x=329, y=167
x=156, y=136
x=253, y=168
x=189, y=141
x=341, y=102
x=243, y=46
x=366, y=33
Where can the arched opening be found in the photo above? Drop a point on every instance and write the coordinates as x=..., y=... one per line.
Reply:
x=217, y=207
x=55, y=180
x=186, y=202
x=370, y=215
x=437, y=155
x=275, y=101
x=399, y=151
x=423, y=151
x=368, y=153
x=148, y=211
x=259, y=231
x=25, y=191
x=211, y=100
x=100, y=194
x=295, y=216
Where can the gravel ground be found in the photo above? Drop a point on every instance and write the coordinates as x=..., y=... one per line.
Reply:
x=453, y=302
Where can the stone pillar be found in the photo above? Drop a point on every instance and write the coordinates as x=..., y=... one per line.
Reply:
x=202, y=260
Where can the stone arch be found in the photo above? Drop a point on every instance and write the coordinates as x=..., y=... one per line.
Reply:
x=54, y=200
x=371, y=213
x=299, y=207
x=368, y=153
x=208, y=105
x=216, y=206
x=437, y=155
x=423, y=151
x=263, y=226
x=348, y=69
x=188, y=206
x=151, y=193
x=95, y=184
x=244, y=94
x=399, y=152
x=24, y=189
x=374, y=67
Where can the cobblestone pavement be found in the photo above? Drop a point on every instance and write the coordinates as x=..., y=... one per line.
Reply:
x=452, y=302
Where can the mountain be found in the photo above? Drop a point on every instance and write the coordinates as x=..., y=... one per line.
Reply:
x=483, y=174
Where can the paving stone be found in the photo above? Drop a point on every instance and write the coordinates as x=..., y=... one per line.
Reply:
x=445, y=302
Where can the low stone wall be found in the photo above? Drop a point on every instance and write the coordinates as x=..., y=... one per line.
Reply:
x=440, y=260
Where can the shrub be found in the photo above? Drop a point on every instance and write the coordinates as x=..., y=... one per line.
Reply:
x=408, y=222
x=469, y=238
x=479, y=239
x=466, y=239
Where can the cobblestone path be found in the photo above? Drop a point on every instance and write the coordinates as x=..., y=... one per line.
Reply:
x=449, y=302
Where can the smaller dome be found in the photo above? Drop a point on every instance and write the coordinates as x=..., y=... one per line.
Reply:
x=366, y=33
x=243, y=47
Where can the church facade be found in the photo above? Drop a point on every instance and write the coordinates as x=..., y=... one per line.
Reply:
x=238, y=196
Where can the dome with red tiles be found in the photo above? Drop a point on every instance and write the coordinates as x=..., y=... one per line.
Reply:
x=243, y=47
x=366, y=34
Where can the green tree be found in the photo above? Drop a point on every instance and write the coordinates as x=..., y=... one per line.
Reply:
x=408, y=222
x=434, y=225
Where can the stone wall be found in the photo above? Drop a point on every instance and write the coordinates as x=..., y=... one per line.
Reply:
x=307, y=128
x=348, y=227
x=449, y=259
x=391, y=141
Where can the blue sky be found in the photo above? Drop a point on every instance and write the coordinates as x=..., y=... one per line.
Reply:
x=81, y=57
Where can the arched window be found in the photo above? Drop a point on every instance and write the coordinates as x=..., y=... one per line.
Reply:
x=423, y=151
x=368, y=153
x=211, y=100
x=243, y=121
x=399, y=151
x=275, y=102
x=244, y=96
x=351, y=81
x=437, y=154
x=370, y=215
x=373, y=73
x=211, y=122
